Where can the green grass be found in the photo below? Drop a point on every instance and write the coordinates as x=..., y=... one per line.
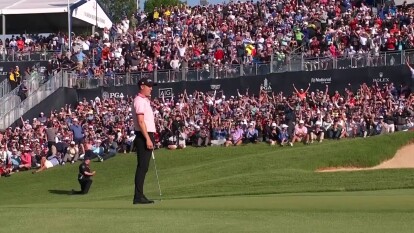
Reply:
x=254, y=188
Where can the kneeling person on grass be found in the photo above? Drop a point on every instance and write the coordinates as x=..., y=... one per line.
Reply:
x=84, y=176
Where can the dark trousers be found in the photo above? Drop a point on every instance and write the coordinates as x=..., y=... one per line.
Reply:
x=253, y=139
x=85, y=185
x=332, y=134
x=49, y=146
x=108, y=155
x=90, y=154
x=143, y=157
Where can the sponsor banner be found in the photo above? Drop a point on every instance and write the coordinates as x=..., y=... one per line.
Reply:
x=266, y=86
x=278, y=82
x=109, y=95
x=165, y=92
x=327, y=80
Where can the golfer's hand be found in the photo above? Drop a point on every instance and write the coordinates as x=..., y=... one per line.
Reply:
x=150, y=146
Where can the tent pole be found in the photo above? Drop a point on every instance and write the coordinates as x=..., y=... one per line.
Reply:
x=4, y=35
x=69, y=28
x=96, y=18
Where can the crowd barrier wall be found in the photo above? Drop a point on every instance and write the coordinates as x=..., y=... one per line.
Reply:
x=336, y=79
x=277, y=82
x=55, y=101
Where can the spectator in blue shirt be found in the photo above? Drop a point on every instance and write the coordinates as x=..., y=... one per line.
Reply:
x=219, y=136
x=77, y=130
x=283, y=135
x=252, y=134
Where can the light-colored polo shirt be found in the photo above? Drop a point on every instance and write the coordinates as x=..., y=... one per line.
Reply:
x=142, y=106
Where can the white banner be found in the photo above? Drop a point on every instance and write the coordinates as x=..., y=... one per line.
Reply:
x=87, y=12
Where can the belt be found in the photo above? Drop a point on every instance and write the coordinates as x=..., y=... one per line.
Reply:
x=139, y=132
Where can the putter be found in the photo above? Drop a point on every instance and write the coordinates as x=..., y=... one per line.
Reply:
x=156, y=173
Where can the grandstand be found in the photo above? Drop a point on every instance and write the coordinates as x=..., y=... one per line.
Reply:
x=343, y=58
x=329, y=82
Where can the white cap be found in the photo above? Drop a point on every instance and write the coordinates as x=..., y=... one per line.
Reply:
x=318, y=123
x=274, y=124
x=284, y=126
x=381, y=117
x=301, y=122
x=72, y=143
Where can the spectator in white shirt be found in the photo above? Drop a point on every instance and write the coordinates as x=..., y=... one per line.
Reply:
x=300, y=133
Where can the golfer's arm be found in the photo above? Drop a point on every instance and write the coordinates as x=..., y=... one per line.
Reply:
x=143, y=127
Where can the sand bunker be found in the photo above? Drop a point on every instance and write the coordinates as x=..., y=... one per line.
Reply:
x=404, y=158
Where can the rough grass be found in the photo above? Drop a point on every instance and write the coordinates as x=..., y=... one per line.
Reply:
x=301, y=199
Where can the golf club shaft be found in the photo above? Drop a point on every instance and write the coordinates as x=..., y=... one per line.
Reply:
x=156, y=173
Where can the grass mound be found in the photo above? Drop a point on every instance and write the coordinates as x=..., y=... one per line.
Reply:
x=219, y=171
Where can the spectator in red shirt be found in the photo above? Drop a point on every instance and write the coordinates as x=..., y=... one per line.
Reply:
x=20, y=44
x=391, y=42
x=26, y=159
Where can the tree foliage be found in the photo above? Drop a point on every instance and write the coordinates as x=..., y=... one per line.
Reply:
x=151, y=4
x=117, y=9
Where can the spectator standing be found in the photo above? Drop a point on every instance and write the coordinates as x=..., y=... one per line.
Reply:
x=12, y=79
x=23, y=90
x=50, y=132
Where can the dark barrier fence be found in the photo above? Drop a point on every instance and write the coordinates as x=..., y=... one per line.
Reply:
x=336, y=79
x=6, y=66
x=55, y=101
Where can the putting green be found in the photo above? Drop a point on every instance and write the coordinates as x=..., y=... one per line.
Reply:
x=374, y=211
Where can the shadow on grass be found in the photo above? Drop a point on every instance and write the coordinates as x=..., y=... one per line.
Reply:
x=61, y=192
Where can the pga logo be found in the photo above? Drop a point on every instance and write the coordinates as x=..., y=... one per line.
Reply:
x=108, y=95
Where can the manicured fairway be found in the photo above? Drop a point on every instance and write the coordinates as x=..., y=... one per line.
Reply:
x=253, y=188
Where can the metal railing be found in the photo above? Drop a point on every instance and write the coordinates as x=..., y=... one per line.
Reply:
x=278, y=63
x=292, y=62
x=13, y=55
x=35, y=97
x=5, y=86
x=13, y=99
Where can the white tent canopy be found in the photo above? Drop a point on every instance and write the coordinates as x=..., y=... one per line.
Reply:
x=400, y=2
x=85, y=10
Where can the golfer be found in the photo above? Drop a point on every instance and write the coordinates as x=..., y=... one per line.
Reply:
x=144, y=124
x=84, y=176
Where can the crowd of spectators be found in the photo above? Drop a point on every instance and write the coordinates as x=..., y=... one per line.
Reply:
x=201, y=37
x=218, y=36
x=104, y=127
